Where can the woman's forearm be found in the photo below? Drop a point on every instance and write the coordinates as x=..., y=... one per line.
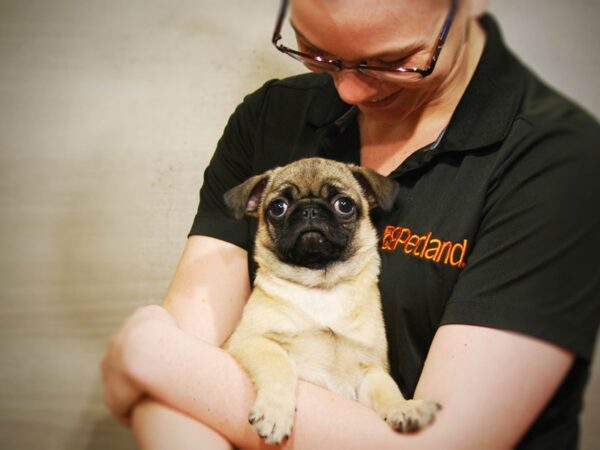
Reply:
x=158, y=427
x=205, y=383
x=491, y=383
x=193, y=377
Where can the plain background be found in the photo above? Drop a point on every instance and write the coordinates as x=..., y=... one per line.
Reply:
x=109, y=112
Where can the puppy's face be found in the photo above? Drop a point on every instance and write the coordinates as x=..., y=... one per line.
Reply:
x=311, y=215
x=310, y=211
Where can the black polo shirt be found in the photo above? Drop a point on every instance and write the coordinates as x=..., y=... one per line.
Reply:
x=497, y=223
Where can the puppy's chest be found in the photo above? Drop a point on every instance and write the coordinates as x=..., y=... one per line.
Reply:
x=330, y=344
x=323, y=308
x=334, y=361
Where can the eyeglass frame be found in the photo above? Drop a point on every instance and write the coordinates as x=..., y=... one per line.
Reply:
x=337, y=64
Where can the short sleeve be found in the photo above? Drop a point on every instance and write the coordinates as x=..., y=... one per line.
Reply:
x=534, y=267
x=230, y=165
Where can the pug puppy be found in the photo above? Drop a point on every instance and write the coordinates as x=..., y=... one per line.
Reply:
x=314, y=313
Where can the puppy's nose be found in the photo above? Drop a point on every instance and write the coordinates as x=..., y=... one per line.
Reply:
x=310, y=212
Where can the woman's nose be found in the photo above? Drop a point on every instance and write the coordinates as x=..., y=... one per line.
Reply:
x=353, y=87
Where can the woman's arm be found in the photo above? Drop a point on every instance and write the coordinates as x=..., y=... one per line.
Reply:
x=209, y=289
x=491, y=383
x=206, y=297
x=156, y=426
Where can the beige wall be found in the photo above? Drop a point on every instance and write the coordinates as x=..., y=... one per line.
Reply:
x=109, y=111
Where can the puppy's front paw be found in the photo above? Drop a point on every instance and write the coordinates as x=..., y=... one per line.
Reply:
x=410, y=415
x=272, y=418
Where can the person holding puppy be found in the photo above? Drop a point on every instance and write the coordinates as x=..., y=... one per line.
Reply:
x=489, y=284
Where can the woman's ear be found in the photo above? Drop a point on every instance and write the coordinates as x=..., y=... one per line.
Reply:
x=477, y=7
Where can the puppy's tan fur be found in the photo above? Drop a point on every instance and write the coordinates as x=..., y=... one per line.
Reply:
x=324, y=326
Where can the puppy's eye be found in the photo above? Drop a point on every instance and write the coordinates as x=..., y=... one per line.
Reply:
x=278, y=208
x=344, y=205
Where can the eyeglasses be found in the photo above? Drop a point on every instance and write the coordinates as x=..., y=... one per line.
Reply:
x=387, y=72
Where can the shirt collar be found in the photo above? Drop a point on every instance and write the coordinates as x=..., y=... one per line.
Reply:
x=488, y=107
x=484, y=114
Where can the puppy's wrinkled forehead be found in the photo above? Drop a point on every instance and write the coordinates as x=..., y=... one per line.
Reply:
x=320, y=178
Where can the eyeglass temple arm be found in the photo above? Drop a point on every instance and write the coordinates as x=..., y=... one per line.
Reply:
x=277, y=30
x=442, y=37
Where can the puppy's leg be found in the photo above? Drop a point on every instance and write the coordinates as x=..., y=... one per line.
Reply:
x=274, y=377
x=379, y=391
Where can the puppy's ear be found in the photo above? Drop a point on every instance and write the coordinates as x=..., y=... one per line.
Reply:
x=244, y=198
x=380, y=191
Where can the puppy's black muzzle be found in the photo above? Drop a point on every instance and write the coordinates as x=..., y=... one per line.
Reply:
x=312, y=235
x=311, y=212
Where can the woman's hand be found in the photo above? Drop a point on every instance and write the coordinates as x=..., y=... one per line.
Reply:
x=125, y=348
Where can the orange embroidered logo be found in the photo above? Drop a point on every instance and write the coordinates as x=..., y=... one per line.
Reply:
x=426, y=246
